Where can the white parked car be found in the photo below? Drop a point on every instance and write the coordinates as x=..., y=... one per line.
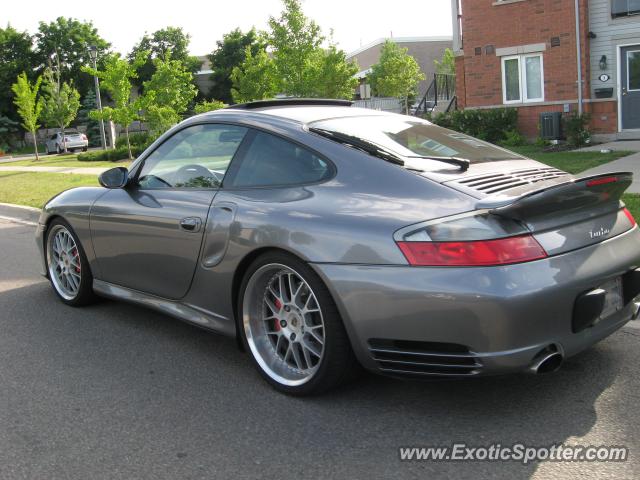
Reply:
x=74, y=140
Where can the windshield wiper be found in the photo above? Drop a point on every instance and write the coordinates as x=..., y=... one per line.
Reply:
x=463, y=163
x=380, y=152
x=361, y=144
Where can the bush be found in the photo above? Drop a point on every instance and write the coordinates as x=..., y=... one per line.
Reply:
x=575, y=128
x=513, y=138
x=120, y=153
x=142, y=139
x=491, y=124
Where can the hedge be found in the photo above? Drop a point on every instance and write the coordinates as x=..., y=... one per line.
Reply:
x=120, y=153
x=491, y=124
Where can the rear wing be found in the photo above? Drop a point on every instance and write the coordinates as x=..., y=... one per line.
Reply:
x=568, y=195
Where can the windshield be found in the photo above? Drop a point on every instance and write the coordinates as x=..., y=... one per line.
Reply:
x=415, y=138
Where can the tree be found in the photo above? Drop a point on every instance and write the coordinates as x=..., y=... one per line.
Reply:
x=60, y=102
x=65, y=41
x=447, y=65
x=295, y=40
x=397, y=74
x=230, y=53
x=16, y=56
x=255, y=79
x=336, y=76
x=158, y=45
x=88, y=104
x=29, y=105
x=116, y=79
x=208, y=106
x=167, y=94
x=298, y=66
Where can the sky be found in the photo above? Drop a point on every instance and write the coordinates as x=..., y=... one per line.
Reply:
x=122, y=23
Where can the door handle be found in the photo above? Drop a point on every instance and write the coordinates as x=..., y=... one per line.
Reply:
x=191, y=224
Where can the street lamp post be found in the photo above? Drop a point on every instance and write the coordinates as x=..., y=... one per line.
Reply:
x=93, y=53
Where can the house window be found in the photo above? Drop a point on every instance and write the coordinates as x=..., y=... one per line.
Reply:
x=522, y=78
x=625, y=8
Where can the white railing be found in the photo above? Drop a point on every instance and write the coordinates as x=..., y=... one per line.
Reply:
x=387, y=104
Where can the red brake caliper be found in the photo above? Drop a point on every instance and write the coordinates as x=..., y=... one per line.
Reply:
x=74, y=252
x=276, y=322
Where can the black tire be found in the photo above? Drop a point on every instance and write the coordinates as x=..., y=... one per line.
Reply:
x=58, y=150
x=85, y=294
x=338, y=364
x=84, y=149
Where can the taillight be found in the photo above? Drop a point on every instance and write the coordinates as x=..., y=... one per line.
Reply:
x=500, y=251
x=630, y=217
x=601, y=181
x=84, y=137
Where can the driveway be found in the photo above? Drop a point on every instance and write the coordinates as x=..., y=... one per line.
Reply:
x=117, y=391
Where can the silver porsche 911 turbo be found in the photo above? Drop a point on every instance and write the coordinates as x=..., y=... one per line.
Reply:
x=327, y=237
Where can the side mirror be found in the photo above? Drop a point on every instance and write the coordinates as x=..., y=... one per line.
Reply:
x=114, y=177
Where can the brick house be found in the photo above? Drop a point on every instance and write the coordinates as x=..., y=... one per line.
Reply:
x=527, y=53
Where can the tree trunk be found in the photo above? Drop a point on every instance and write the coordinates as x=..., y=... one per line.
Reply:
x=35, y=144
x=406, y=105
x=126, y=131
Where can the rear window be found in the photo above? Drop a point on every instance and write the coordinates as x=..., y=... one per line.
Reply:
x=416, y=138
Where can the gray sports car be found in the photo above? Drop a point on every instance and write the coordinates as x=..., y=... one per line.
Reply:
x=326, y=237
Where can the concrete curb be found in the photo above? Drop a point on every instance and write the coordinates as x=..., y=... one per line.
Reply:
x=19, y=214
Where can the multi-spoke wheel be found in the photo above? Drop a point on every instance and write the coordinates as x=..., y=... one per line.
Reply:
x=67, y=266
x=291, y=326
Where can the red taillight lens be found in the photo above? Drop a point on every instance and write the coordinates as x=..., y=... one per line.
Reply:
x=601, y=181
x=630, y=217
x=84, y=137
x=501, y=251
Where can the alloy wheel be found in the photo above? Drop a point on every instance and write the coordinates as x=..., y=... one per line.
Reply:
x=283, y=324
x=63, y=260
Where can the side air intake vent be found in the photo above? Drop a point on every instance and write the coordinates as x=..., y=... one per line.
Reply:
x=405, y=357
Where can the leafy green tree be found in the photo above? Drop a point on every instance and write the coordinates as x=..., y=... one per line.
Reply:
x=335, y=77
x=255, y=79
x=167, y=94
x=448, y=63
x=161, y=43
x=7, y=130
x=16, y=56
x=66, y=41
x=116, y=79
x=88, y=104
x=298, y=65
x=295, y=40
x=230, y=53
x=208, y=106
x=60, y=102
x=397, y=74
x=29, y=105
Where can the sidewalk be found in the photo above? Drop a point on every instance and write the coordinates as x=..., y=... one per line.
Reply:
x=75, y=170
x=630, y=163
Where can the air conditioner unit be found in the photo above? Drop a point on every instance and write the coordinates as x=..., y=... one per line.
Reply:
x=551, y=125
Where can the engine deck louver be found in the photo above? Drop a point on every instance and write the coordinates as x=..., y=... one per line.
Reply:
x=490, y=183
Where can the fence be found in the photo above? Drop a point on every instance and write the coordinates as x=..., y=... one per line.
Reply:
x=387, y=104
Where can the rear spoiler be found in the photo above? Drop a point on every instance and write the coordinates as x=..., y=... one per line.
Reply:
x=570, y=194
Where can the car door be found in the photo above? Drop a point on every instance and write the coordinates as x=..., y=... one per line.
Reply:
x=147, y=236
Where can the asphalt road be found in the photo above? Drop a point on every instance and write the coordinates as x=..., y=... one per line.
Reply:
x=115, y=391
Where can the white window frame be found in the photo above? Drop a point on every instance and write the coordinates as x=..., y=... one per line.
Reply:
x=523, y=94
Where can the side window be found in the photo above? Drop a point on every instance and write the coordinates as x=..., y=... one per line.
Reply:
x=195, y=157
x=271, y=160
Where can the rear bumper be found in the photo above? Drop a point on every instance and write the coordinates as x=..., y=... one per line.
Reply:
x=491, y=319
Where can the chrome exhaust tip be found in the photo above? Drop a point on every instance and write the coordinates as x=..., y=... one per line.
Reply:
x=547, y=362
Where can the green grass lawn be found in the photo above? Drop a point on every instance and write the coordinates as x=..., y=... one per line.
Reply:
x=572, y=162
x=34, y=189
x=64, y=161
